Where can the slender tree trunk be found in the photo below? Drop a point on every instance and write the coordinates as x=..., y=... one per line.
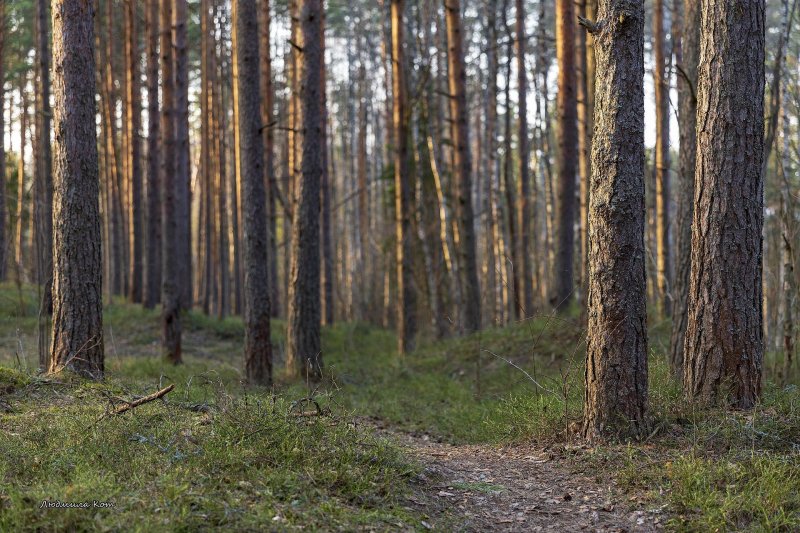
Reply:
x=616, y=354
x=183, y=200
x=526, y=275
x=326, y=185
x=661, y=83
x=153, y=274
x=304, y=354
x=403, y=183
x=4, y=244
x=724, y=333
x=364, y=262
x=77, y=281
x=206, y=167
x=517, y=305
x=43, y=179
x=567, y=152
x=133, y=107
x=170, y=288
x=23, y=129
x=221, y=185
x=686, y=40
x=257, y=344
x=462, y=167
x=268, y=136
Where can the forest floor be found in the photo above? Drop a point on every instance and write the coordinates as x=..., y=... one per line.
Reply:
x=472, y=434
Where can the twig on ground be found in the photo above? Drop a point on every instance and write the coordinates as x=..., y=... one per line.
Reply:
x=143, y=400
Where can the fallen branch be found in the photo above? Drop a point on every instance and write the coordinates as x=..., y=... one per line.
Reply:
x=143, y=400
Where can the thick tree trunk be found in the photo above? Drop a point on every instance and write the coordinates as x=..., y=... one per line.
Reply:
x=686, y=40
x=304, y=356
x=661, y=83
x=326, y=190
x=568, y=153
x=153, y=273
x=257, y=344
x=724, y=333
x=616, y=354
x=133, y=106
x=183, y=199
x=462, y=167
x=77, y=280
x=170, y=288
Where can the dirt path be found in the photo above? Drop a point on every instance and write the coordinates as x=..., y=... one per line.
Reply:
x=486, y=488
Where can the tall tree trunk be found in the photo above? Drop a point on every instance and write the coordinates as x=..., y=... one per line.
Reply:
x=4, y=244
x=462, y=167
x=153, y=273
x=304, y=355
x=327, y=185
x=183, y=200
x=268, y=136
x=170, y=288
x=364, y=262
x=23, y=130
x=221, y=185
x=585, y=59
x=724, y=333
x=517, y=305
x=661, y=83
x=134, y=118
x=525, y=236
x=686, y=40
x=43, y=178
x=567, y=152
x=257, y=345
x=616, y=353
x=403, y=184
x=77, y=280
x=206, y=167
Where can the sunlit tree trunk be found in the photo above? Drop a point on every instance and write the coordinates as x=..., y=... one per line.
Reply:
x=724, y=333
x=616, y=354
x=403, y=183
x=661, y=83
x=77, y=280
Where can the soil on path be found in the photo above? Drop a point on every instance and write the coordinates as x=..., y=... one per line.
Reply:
x=516, y=488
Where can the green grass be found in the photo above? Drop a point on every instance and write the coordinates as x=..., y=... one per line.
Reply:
x=250, y=458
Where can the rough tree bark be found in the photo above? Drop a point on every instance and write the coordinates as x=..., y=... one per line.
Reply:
x=616, y=354
x=170, y=289
x=3, y=236
x=462, y=167
x=257, y=345
x=686, y=41
x=153, y=265
x=724, y=332
x=303, y=351
x=567, y=109
x=77, y=281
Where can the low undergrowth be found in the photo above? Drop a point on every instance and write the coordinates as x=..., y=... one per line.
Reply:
x=249, y=460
